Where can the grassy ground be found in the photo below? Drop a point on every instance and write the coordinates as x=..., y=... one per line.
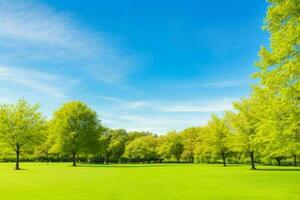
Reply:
x=143, y=182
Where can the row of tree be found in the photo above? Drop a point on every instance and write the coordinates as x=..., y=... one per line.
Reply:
x=262, y=127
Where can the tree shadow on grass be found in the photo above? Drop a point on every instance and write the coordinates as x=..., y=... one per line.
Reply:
x=21, y=169
x=280, y=169
x=129, y=166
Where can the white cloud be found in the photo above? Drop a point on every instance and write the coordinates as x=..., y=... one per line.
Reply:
x=209, y=105
x=213, y=105
x=44, y=83
x=124, y=105
x=33, y=32
x=156, y=122
x=218, y=84
x=160, y=116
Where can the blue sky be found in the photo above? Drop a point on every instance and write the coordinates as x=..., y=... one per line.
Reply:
x=142, y=65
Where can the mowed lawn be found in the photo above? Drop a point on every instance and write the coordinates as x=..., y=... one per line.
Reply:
x=143, y=182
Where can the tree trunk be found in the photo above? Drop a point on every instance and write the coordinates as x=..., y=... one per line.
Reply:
x=252, y=160
x=106, y=159
x=278, y=161
x=224, y=160
x=18, y=157
x=295, y=160
x=177, y=159
x=74, y=159
x=47, y=158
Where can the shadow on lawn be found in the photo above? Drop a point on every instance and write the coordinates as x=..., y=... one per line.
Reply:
x=130, y=166
x=280, y=169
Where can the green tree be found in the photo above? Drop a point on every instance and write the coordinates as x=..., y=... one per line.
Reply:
x=142, y=148
x=132, y=135
x=244, y=124
x=114, y=142
x=21, y=126
x=76, y=126
x=176, y=146
x=48, y=144
x=190, y=141
x=279, y=86
x=163, y=148
x=203, y=148
x=219, y=138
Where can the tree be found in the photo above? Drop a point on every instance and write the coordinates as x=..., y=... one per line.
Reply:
x=142, y=148
x=190, y=140
x=163, y=148
x=244, y=123
x=114, y=142
x=47, y=144
x=219, y=137
x=176, y=146
x=132, y=135
x=76, y=126
x=279, y=86
x=21, y=126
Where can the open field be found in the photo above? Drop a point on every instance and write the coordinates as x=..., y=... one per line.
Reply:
x=60, y=181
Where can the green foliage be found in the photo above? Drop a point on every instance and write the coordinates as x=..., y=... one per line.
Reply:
x=21, y=126
x=76, y=127
x=190, y=142
x=142, y=149
x=219, y=138
x=279, y=88
x=175, y=145
x=114, y=142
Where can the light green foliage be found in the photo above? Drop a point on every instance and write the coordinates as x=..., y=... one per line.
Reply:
x=163, y=148
x=47, y=145
x=175, y=145
x=135, y=134
x=279, y=74
x=148, y=182
x=190, y=141
x=21, y=127
x=219, y=137
x=244, y=124
x=76, y=126
x=142, y=149
x=203, y=150
x=114, y=142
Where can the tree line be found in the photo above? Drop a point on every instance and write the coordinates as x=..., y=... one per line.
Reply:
x=262, y=127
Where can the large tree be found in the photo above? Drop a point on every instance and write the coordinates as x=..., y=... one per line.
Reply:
x=21, y=126
x=77, y=128
x=279, y=85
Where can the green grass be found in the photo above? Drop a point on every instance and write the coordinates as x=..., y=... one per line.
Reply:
x=143, y=182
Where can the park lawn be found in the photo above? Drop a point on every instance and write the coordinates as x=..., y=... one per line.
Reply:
x=143, y=182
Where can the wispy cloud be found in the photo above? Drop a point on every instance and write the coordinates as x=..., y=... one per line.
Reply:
x=212, y=105
x=155, y=122
x=160, y=116
x=218, y=84
x=45, y=83
x=187, y=106
x=123, y=104
x=34, y=32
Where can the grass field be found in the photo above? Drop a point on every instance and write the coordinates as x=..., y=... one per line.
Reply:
x=143, y=182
